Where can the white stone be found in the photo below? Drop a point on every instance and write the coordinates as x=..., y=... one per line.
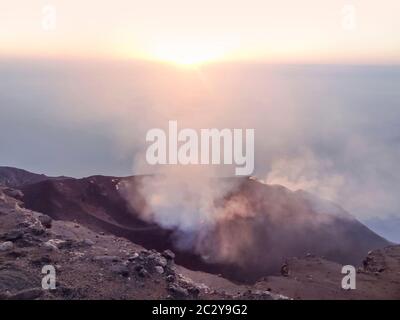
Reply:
x=5, y=246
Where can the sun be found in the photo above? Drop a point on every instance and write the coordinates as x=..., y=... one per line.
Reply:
x=187, y=55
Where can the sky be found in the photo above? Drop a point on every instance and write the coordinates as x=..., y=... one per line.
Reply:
x=187, y=31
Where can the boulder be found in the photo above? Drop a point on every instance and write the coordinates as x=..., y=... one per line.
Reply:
x=158, y=260
x=51, y=246
x=120, y=269
x=177, y=291
x=159, y=269
x=168, y=254
x=13, y=235
x=88, y=242
x=37, y=230
x=142, y=272
x=133, y=257
x=45, y=220
x=6, y=246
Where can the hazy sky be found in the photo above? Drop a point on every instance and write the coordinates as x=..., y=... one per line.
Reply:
x=361, y=31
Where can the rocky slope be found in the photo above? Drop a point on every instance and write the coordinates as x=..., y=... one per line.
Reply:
x=89, y=265
x=313, y=277
x=99, y=265
x=279, y=224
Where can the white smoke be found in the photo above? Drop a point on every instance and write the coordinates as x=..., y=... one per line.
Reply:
x=307, y=172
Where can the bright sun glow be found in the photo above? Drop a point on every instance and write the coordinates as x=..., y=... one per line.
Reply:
x=187, y=55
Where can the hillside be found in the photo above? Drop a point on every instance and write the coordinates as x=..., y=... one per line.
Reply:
x=281, y=224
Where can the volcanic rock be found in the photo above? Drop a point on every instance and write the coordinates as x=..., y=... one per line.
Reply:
x=45, y=220
x=6, y=246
